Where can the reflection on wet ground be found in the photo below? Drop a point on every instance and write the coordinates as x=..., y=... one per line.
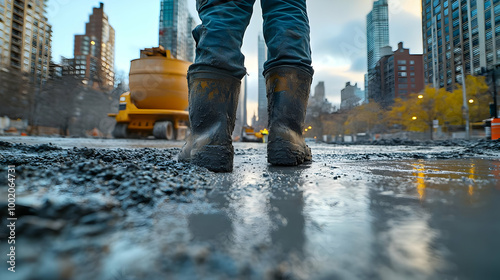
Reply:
x=402, y=219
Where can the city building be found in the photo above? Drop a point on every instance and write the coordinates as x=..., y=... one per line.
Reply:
x=318, y=104
x=351, y=96
x=377, y=35
x=459, y=36
x=25, y=38
x=396, y=75
x=94, y=52
x=176, y=25
x=377, y=31
x=241, y=111
x=262, y=98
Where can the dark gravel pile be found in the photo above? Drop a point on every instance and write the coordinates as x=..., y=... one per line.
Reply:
x=73, y=198
x=86, y=213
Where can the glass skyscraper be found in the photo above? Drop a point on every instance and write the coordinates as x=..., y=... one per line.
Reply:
x=262, y=107
x=176, y=25
x=377, y=31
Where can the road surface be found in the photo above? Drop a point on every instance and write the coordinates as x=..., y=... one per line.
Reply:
x=124, y=209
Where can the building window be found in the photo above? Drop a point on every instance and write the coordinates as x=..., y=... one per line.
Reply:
x=402, y=74
x=400, y=62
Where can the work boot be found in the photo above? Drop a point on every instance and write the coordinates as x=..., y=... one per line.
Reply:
x=213, y=100
x=287, y=95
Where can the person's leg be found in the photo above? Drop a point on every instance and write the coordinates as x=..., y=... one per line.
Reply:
x=288, y=74
x=287, y=34
x=219, y=37
x=214, y=82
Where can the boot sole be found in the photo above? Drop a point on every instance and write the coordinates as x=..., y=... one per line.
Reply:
x=287, y=154
x=215, y=158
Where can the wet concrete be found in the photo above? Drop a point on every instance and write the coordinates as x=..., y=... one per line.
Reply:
x=354, y=212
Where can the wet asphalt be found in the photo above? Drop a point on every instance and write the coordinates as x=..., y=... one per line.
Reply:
x=125, y=209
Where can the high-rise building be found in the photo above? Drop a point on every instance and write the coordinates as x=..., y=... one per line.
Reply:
x=351, y=96
x=94, y=53
x=396, y=75
x=241, y=111
x=377, y=31
x=176, y=25
x=25, y=37
x=319, y=92
x=377, y=35
x=262, y=106
x=459, y=36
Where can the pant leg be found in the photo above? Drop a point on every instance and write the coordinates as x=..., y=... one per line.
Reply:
x=220, y=36
x=287, y=34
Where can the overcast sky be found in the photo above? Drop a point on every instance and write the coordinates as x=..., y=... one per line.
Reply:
x=338, y=35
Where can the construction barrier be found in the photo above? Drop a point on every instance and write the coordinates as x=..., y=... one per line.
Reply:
x=495, y=129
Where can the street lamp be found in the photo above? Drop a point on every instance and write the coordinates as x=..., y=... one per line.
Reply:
x=414, y=118
x=465, y=107
x=420, y=96
x=471, y=101
x=310, y=127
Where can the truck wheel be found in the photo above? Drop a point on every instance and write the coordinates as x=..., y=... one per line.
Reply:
x=164, y=130
x=120, y=130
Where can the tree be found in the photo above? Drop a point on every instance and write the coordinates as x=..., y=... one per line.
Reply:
x=477, y=91
x=418, y=111
x=364, y=118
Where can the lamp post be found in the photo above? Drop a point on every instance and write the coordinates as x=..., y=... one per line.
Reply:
x=465, y=107
x=495, y=108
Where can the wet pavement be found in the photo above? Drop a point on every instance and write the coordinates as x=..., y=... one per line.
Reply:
x=119, y=211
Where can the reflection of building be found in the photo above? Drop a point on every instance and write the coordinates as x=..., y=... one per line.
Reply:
x=94, y=54
x=176, y=25
x=377, y=33
x=459, y=30
x=352, y=96
x=262, y=107
x=396, y=75
x=25, y=37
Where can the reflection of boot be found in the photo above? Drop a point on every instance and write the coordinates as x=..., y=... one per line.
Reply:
x=213, y=99
x=287, y=94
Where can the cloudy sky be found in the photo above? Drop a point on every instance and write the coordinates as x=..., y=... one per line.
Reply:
x=338, y=35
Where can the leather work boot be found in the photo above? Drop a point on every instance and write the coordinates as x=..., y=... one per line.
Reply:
x=213, y=100
x=287, y=95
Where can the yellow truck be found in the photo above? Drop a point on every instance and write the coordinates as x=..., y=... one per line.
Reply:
x=158, y=99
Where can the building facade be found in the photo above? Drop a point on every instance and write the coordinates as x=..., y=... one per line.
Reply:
x=317, y=103
x=377, y=36
x=241, y=111
x=459, y=36
x=94, y=53
x=262, y=106
x=396, y=75
x=25, y=38
x=351, y=96
x=377, y=31
x=176, y=25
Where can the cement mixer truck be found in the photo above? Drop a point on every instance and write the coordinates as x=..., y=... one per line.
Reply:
x=158, y=99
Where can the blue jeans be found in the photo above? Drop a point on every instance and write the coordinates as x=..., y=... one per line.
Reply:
x=220, y=35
